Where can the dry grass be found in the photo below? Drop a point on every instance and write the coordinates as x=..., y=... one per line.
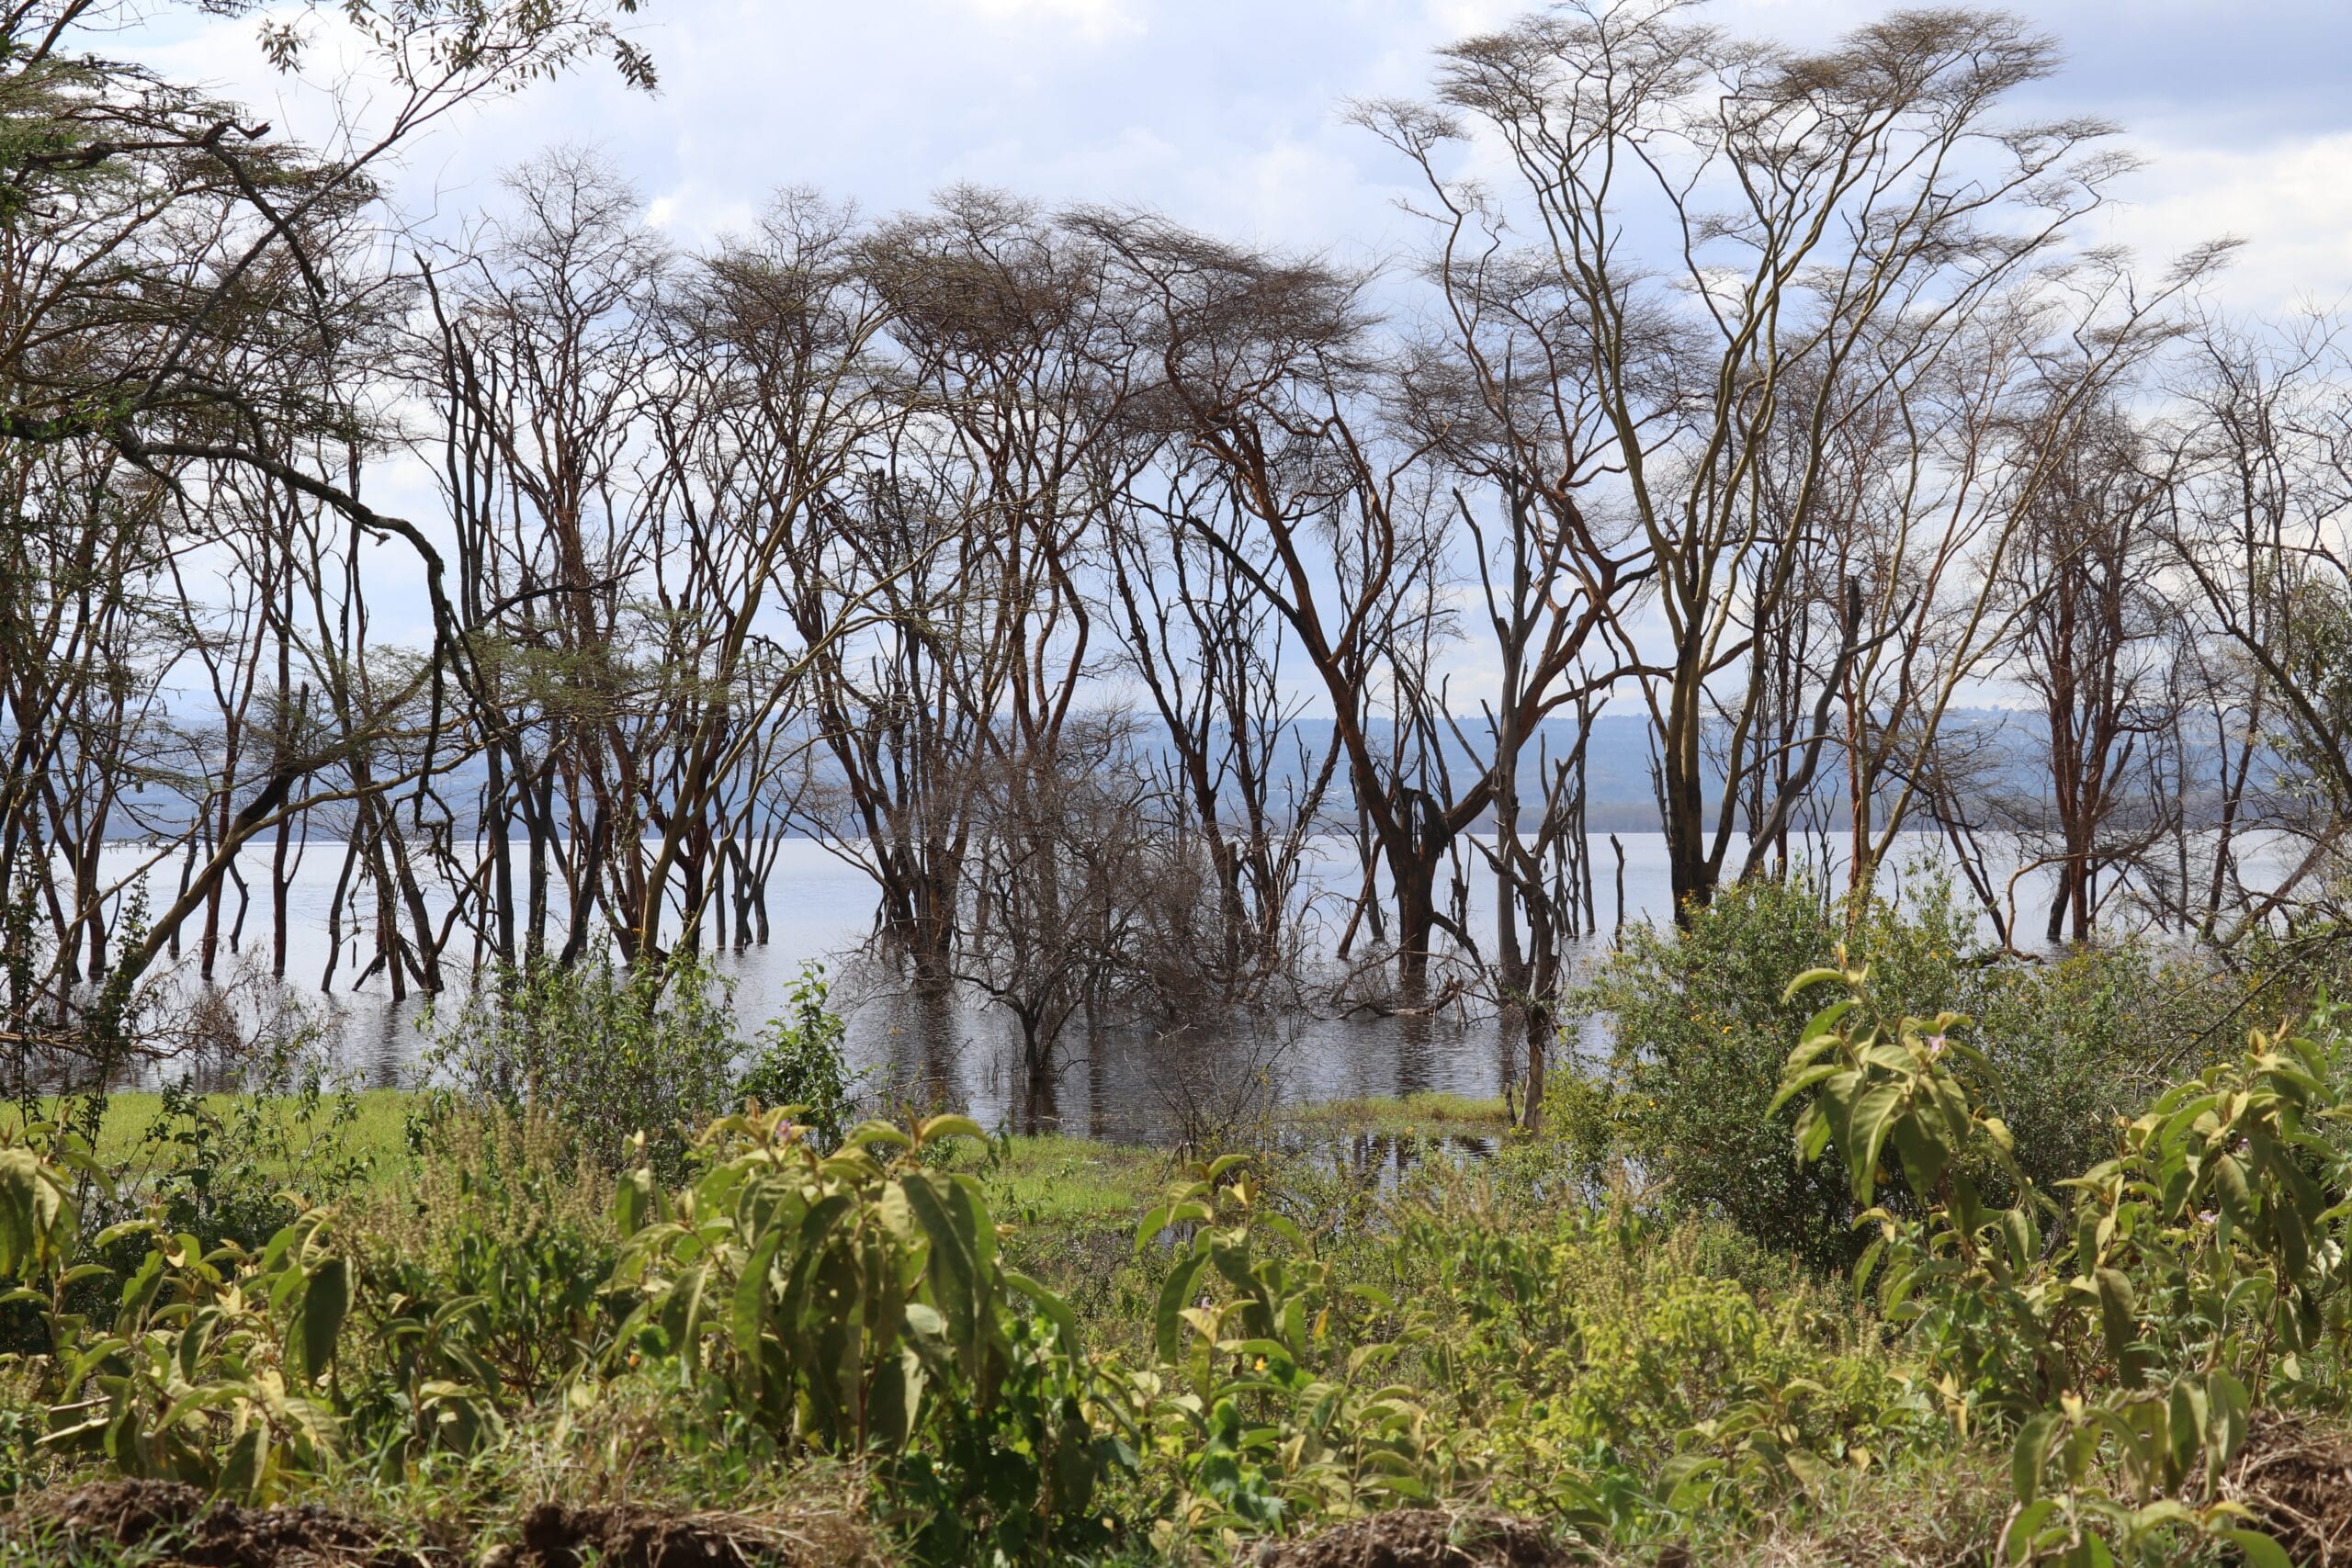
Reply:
x=2295, y=1476
x=1945, y=1515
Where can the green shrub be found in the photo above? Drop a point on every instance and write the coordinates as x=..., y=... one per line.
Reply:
x=1620, y=1376
x=797, y=1062
x=1700, y=1026
x=602, y=1049
x=221, y=1166
x=2200, y=1273
x=488, y=1265
x=2082, y=1042
x=1699, y=1030
x=857, y=1305
x=607, y=1051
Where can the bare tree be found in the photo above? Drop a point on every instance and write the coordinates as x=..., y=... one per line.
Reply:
x=1055, y=886
x=1837, y=223
x=1332, y=515
x=1241, y=773
x=2094, y=640
x=2258, y=528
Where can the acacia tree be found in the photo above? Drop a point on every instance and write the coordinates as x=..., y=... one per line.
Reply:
x=1056, y=887
x=1207, y=649
x=1330, y=513
x=186, y=305
x=967, y=518
x=551, y=357
x=1836, y=223
x=1500, y=392
x=2092, y=643
x=2256, y=526
x=774, y=344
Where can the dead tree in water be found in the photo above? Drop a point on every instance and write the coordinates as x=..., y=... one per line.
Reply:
x=1266, y=368
x=1056, y=884
x=2093, y=646
x=1244, y=779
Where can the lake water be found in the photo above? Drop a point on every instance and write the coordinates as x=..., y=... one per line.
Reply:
x=932, y=1047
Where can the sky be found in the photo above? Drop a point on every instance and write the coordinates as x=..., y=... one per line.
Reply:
x=1227, y=114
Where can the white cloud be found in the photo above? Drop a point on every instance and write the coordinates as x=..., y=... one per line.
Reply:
x=1224, y=113
x=1091, y=19
x=2289, y=201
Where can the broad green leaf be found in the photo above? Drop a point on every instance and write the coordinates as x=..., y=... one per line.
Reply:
x=325, y=1302
x=2258, y=1549
x=1056, y=1309
x=948, y=1127
x=633, y=1201
x=866, y=1133
x=1175, y=1294
x=2118, y=1320
x=1874, y=1118
x=241, y=1475
x=2030, y=1456
x=1811, y=977
x=752, y=1305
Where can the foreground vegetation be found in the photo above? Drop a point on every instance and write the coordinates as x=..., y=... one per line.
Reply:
x=1925, y=1288
x=1809, y=409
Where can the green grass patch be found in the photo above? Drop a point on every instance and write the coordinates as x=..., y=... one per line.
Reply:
x=299, y=1133
x=1429, y=1114
x=1053, y=1180
x=1046, y=1179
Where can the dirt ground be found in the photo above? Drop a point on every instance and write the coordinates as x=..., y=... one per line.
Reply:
x=178, y=1524
x=2295, y=1475
x=554, y=1536
x=1422, y=1538
x=166, y=1523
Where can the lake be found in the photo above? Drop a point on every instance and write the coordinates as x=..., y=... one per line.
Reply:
x=934, y=1047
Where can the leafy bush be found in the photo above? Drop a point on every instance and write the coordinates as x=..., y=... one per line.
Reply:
x=1700, y=1021
x=489, y=1268
x=1617, y=1375
x=602, y=1049
x=219, y=1166
x=855, y=1303
x=1699, y=1029
x=797, y=1062
x=849, y=1304
x=2203, y=1270
x=606, y=1051
x=210, y=1371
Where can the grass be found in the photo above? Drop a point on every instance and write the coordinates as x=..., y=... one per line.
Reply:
x=371, y=1125
x=1429, y=1114
x=1055, y=1181
x=1049, y=1182
x=1064, y=1182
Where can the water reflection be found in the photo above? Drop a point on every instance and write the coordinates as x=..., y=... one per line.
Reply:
x=930, y=1047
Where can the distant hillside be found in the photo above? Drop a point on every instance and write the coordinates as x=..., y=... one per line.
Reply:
x=1620, y=791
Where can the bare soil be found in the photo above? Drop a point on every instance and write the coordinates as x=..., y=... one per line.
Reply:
x=618, y=1536
x=1423, y=1538
x=2295, y=1475
x=179, y=1525
x=171, y=1524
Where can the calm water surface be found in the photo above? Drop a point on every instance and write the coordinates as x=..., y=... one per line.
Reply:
x=933, y=1047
